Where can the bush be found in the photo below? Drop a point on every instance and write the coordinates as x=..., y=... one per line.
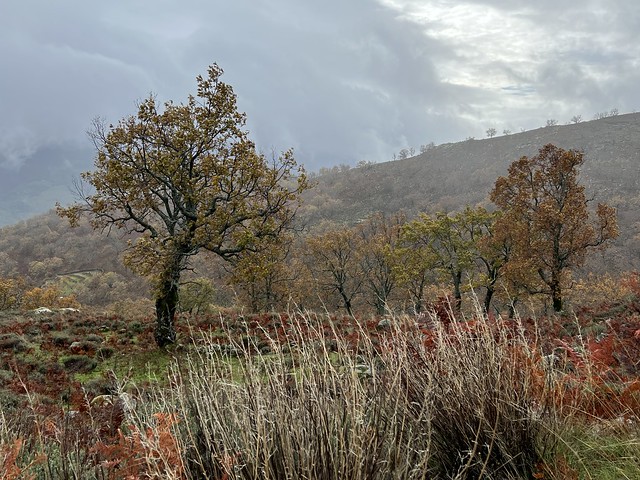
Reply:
x=61, y=339
x=12, y=341
x=104, y=352
x=9, y=401
x=94, y=338
x=78, y=363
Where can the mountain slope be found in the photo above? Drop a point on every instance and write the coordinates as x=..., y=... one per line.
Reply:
x=446, y=178
x=42, y=179
x=450, y=176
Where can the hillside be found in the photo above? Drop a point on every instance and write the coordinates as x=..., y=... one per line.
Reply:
x=450, y=176
x=445, y=178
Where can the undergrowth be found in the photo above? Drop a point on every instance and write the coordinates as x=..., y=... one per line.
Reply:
x=315, y=397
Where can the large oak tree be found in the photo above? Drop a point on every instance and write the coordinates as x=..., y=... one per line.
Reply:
x=546, y=216
x=183, y=178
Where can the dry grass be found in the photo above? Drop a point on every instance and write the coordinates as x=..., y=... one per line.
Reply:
x=448, y=403
x=458, y=400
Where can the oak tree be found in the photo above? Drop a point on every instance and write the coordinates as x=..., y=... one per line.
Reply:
x=489, y=247
x=185, y=178
x=412, y=269
x=264, y=278
x=446, y=243
x=333, y=257
x=379, y=236
x=545, y=211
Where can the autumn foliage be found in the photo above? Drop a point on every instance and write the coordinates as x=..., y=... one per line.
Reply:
x=546, y=219
x=186, y=178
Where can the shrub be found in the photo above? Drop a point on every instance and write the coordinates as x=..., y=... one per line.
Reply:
x=78, y=363
x=10, y=459
x=104, y=352
x=12, y=341
x=94, y=338
x=9, y=401
x=61, y=339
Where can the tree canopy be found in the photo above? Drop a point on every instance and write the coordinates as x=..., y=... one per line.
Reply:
x=449, y=245
x=546, y=216
x=183, y=178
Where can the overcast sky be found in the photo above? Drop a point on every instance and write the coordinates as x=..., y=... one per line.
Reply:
x=339, y=80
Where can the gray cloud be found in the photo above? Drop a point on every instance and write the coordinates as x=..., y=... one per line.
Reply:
x=340, y=81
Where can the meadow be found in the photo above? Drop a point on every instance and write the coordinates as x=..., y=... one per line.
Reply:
x=88, y=395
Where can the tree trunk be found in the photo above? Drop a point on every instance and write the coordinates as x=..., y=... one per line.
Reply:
x=487, y=299
x=457, y=291
x=346, y=302
x=380, y=302
x=556, y=296
x=556, y=292
x=166, y=306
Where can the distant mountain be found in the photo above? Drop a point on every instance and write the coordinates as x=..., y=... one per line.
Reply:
x=448, y=177
x=44, y=178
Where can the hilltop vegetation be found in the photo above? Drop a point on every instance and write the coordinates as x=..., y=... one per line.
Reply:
x=443, y=179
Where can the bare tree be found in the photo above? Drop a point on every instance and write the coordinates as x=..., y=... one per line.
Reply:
x=427, y=147
x=403, y=154
x=491, y=132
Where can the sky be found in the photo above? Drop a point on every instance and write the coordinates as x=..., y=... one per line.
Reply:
x=340, y=81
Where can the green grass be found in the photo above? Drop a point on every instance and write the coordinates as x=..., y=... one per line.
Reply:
x=139, y=368
x=604, y=454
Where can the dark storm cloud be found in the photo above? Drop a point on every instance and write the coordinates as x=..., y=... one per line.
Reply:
x=340, y=81
x=337, y=81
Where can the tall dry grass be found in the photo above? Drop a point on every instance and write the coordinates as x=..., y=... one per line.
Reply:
x=452, y=402
x=475, y=399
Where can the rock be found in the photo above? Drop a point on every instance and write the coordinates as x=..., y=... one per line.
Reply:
x=364, y=370
x=384, y=324
x=126, y=401
x=42, y=311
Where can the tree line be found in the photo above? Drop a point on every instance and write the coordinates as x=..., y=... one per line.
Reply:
x=185, y=178
x=539, y=230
